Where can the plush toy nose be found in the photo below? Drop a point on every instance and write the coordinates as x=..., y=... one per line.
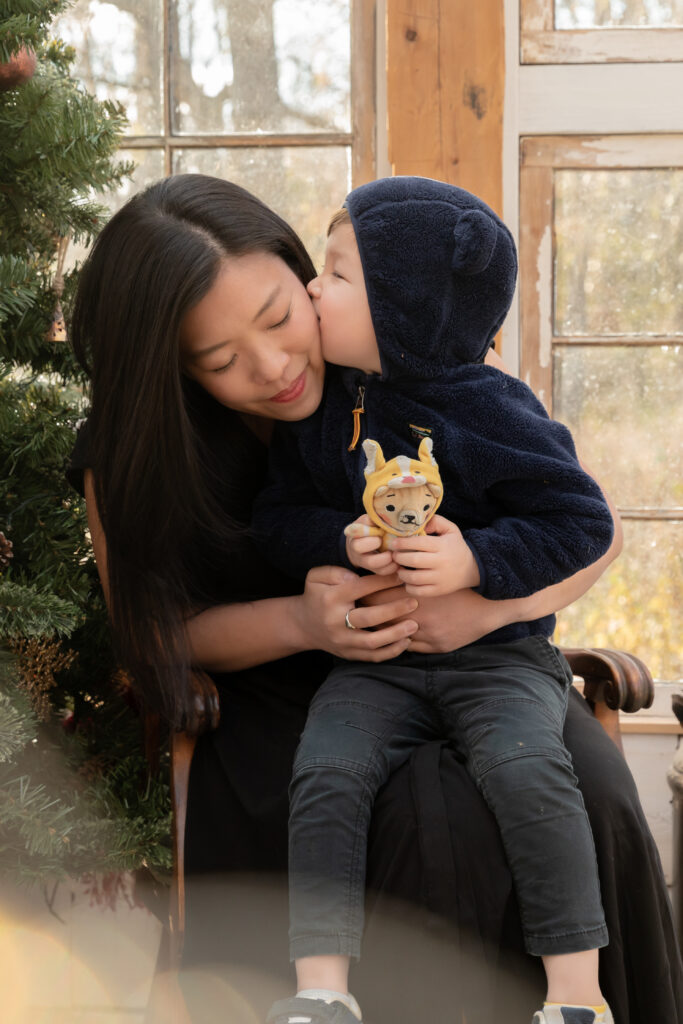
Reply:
x=408, y=517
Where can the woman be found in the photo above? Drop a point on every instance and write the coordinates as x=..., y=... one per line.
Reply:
x=186, y=378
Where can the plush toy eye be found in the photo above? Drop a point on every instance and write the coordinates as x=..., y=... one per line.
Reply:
x=390, y=508
x=426, y=508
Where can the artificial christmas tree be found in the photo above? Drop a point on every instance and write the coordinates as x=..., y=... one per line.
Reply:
x=76, y=794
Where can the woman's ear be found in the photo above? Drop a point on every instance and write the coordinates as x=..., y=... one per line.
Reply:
x=475, y=234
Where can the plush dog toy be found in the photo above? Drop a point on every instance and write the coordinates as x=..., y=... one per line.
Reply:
x=400, y=496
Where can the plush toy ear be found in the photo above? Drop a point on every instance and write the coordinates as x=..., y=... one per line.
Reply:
x=475, y=236
x=373, y=453
x=435, y=490
x=425, y=451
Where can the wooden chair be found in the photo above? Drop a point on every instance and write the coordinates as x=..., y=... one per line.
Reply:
x=613, y=681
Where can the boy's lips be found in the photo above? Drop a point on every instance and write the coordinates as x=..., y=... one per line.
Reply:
x=292, y=391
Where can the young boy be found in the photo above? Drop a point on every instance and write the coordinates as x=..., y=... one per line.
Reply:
x=418, y=278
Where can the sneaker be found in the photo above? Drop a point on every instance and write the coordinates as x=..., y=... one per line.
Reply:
x=570, y=1015
x=310, y=1011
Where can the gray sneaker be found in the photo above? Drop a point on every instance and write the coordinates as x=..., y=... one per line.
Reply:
x=310, y=1011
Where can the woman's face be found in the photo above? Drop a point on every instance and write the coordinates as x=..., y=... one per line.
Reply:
x=253, y=341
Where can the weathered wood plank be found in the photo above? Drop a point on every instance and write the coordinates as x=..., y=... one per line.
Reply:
x=445, y=89
x=536, y=275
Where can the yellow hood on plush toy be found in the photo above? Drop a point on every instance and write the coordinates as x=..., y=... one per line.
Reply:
x=401, y=495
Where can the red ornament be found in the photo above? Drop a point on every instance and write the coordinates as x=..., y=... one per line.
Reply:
x=18, y=69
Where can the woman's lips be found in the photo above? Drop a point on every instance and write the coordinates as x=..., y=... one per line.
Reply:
x=293, y=391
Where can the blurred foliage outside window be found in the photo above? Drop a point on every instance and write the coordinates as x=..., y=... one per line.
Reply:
x=571, y=14
x=220, y=70
x=618, y=385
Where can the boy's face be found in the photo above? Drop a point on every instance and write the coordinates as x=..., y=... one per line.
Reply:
x=341, y=302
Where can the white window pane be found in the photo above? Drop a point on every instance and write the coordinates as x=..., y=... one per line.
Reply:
x=119, y=56
x=618, y=252
x=261, y=65
x=624, y=406
x=637, y=605
x=617, y=13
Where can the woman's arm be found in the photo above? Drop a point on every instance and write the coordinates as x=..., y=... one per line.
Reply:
x=230, y=637
x=446, y=623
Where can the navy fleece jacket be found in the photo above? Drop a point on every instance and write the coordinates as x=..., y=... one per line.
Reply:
x=440, y=270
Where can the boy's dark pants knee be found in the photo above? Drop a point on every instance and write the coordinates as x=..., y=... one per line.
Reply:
x=359, y=730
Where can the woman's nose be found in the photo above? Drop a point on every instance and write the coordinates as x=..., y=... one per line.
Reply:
x=270, y=362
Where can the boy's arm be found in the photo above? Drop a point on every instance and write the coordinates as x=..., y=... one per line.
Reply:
x=555, y=518
x=297, y=529
x=550, y=518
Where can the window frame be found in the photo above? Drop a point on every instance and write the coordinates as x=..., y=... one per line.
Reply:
x=360, y=139
x=542, y=43
x=540, y=157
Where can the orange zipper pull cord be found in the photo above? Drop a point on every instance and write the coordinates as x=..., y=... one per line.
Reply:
x=357, y=413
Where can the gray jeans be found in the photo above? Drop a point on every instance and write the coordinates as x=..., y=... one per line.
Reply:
x=502, y=707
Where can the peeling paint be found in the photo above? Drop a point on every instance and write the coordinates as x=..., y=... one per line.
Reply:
x=544, y=288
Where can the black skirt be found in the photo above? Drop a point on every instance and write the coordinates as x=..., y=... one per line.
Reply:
x=443, y=936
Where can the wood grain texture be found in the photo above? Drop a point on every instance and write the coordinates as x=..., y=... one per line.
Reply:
x=445, y=89
x=536, y=275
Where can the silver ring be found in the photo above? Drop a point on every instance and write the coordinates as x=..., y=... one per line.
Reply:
x=349, y=624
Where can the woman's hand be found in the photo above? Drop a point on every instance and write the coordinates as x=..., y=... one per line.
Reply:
x=380, y=631
x=451, y=621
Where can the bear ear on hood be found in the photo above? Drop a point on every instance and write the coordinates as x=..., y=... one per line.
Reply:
x=475, y=234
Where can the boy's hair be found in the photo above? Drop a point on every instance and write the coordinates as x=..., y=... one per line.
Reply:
x=340, y=217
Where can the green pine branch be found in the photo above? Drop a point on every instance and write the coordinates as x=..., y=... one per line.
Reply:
x=76, y=794
x=28, y=612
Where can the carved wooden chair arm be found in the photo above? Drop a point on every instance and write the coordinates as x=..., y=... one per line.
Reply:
x=614, y=681
x=620, y=680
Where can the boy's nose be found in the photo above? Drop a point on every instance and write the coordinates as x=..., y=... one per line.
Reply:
x=313, y=288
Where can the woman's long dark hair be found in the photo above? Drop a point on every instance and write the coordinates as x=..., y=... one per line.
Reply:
x=154, y=260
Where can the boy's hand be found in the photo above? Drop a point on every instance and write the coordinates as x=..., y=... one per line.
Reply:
x=437, y=564
x=362, y=550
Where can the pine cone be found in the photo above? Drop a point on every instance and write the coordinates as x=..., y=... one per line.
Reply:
x=5, y=551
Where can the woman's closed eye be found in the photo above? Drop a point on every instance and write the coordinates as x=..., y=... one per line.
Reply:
x=281, y=323
x=226, y=366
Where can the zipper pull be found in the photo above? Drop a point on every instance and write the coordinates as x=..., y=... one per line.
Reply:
x=357, y=413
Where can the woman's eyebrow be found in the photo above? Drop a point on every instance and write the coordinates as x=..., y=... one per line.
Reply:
x=194, y=356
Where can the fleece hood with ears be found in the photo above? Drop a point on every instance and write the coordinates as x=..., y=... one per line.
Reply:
x=440, y=270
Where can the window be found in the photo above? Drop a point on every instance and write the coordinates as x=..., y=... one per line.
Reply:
x=584, y=31
x=601, y=250
x=277, y=95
